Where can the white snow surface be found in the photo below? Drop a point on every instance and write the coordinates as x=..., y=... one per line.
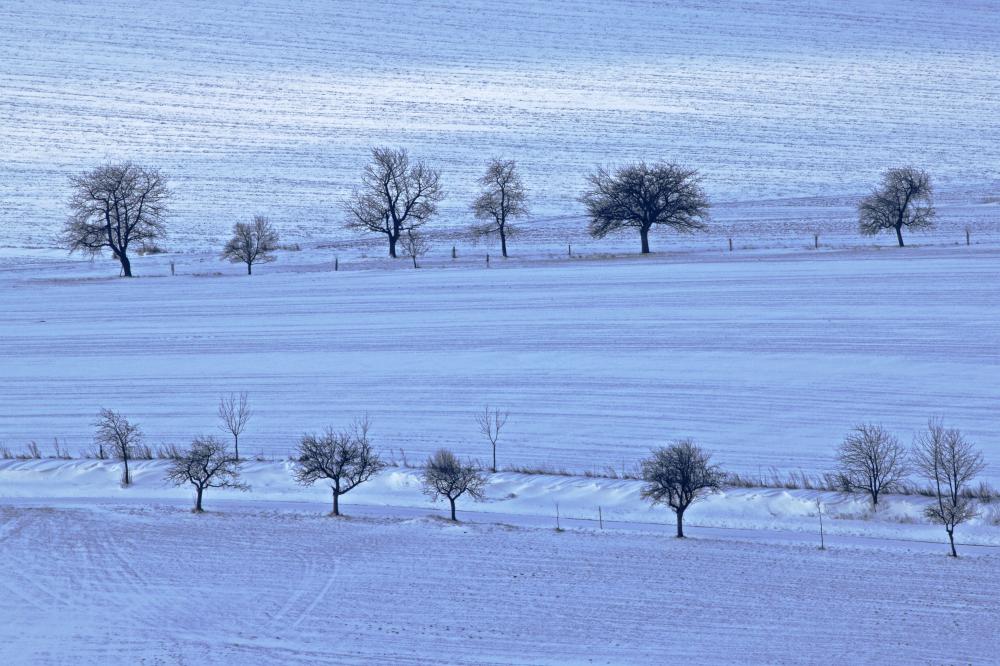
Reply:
x=96, y=574
x=270, y=107
x=765, y=358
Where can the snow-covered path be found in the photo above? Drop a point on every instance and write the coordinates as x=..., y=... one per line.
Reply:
x=98, y=583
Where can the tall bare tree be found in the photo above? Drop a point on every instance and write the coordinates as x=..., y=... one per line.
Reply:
x=871, y=460
x=491, y=421
x=643, y=196
x=447, y=476
x=345, y=459
x=252, y=243
x=114, y=206
x=206, y=464
x=394, y=195
x=902, y=200
x=677, y=475
x=946, y=459
x=502, y=198
x=234, y=413
x=117, y=435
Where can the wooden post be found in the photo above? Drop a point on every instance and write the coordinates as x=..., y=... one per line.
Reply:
x=730, y=244
x=454, y=254
x=600, y=517
x=569, y=249
x=967, y=234
x=336, y=263
x=822, y=541
x=558, y=527
x=487, y=260
x=172, y=268
x=816, y=241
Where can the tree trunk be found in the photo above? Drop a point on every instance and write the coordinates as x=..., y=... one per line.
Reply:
x=128, y=477
x=336, y=502
x=392, y=245
x=494, y=458
x=680, y=524
x=453, y=517
x=126, y=264
x=951, y=540
x=644, y=235
x=197, y=499
x=249, y=268
x=236, y=447
x=503, y=246
x=899, y=236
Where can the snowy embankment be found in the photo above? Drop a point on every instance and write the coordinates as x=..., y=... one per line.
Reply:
x=101, y=582
x=527, y=499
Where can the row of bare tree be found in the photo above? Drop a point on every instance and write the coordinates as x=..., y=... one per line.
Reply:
x=870, y=460
x=118, y=205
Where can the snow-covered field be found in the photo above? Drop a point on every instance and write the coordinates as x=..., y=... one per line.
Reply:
x=96, y=574
x=767, y=359
x=270, y=107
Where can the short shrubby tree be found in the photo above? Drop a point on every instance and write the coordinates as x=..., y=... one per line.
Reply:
x=677, y=475
x=491, y=421
x=871, y=460
x=207, y=464
x=643, y=196
x=447, y=476
x=345, y=459
x=252, y=243
x=902, y=200
x=415, y=245
x=395, y=195
x=117, y=436
x=501, y=199
x=946, y=459
x=114, y=206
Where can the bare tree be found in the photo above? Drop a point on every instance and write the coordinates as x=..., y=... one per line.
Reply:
x=345, y=459
x=503, y=197
x=871, y=460
x=414, y=245
x=252, y=243
x=490, y=422
x=206, y=464
x=117, y=435
x=447, y=476
x=394, y=195
x=114, y=206
x=944, y=457
x=902, y=200
x=677, y=475
x=642, y=196
x=234, y=413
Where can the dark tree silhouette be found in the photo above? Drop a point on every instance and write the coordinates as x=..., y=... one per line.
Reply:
x=491, y=422
x=446, y=476
x=871, y=460
x=677, y=475
x=234, y=413
x=114, y=206
x=394, y=195
x=206, y=464
x=345, y=459
x=902, y=200
x=252, y=243
x=117, y=434
x=946, y=459
x=643, y=196
x=502, y=198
